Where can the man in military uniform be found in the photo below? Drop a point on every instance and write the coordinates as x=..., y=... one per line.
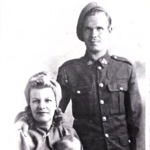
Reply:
x=105, y=97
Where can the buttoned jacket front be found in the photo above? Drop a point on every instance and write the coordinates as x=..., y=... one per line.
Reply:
x=105, y=98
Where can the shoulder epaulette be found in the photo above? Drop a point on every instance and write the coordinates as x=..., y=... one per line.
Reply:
x=118, y=58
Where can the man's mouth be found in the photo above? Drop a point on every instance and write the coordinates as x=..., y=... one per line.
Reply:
x=94, y=41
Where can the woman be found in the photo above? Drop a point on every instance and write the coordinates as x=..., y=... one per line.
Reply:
x=45, y=130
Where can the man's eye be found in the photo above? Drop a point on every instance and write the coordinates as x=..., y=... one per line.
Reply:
x=35, y=101
x=99, y=28
x=87, y=29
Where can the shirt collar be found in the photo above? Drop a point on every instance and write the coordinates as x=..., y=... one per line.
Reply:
x=104, y=60
x=42, y=128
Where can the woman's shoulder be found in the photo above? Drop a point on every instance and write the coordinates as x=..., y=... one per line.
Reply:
x=16, y=139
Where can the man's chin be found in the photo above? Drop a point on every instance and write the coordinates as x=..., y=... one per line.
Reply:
x=95, y=49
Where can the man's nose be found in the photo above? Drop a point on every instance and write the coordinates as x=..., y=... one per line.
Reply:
x=94, y=33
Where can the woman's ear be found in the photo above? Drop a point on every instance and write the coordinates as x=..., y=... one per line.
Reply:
x=110, y=29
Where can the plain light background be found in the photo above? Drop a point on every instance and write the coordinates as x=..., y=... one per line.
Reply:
x=37, y=35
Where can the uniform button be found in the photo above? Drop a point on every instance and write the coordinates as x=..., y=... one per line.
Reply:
x=101, y=101
x=121, y=88
x=115, y=57
x=45, y=135
x=99, y=67
x=129, y=141
x=66, y=81
x=106, y=135
x=78, y=92
x=104, y=118
x=101, y=84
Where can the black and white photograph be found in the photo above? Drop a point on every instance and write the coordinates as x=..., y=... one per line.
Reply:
x=74, y=75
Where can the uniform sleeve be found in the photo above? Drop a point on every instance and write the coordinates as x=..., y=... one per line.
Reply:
x=133, y=105
x=62, y=79
x=76, y=135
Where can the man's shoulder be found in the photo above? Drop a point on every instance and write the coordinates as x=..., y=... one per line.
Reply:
x=71, y=62
x=121, y=59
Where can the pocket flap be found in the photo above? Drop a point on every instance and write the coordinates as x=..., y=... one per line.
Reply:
x=114, y=86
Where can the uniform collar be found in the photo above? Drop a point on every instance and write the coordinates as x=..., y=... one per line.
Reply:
x=104, y=60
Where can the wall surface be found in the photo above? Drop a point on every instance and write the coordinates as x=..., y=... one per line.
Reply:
x=37, y=35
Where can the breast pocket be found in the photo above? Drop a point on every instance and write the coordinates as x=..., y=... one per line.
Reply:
x=117, y=94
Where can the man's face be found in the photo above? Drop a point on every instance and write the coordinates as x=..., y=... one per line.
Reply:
x=96, y=32
x=43, y=104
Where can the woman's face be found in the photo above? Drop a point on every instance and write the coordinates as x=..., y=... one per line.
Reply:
x=43, y=104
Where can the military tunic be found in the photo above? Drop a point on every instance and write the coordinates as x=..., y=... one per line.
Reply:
x=106, y=103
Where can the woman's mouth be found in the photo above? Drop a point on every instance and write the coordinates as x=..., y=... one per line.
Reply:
x=42, y=112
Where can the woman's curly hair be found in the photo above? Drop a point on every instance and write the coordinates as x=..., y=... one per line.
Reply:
x=40, y=80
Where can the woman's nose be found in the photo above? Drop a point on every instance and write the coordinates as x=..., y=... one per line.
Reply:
x=42, y=105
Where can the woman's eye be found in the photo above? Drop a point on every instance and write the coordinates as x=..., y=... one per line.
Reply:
x=47, y=100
